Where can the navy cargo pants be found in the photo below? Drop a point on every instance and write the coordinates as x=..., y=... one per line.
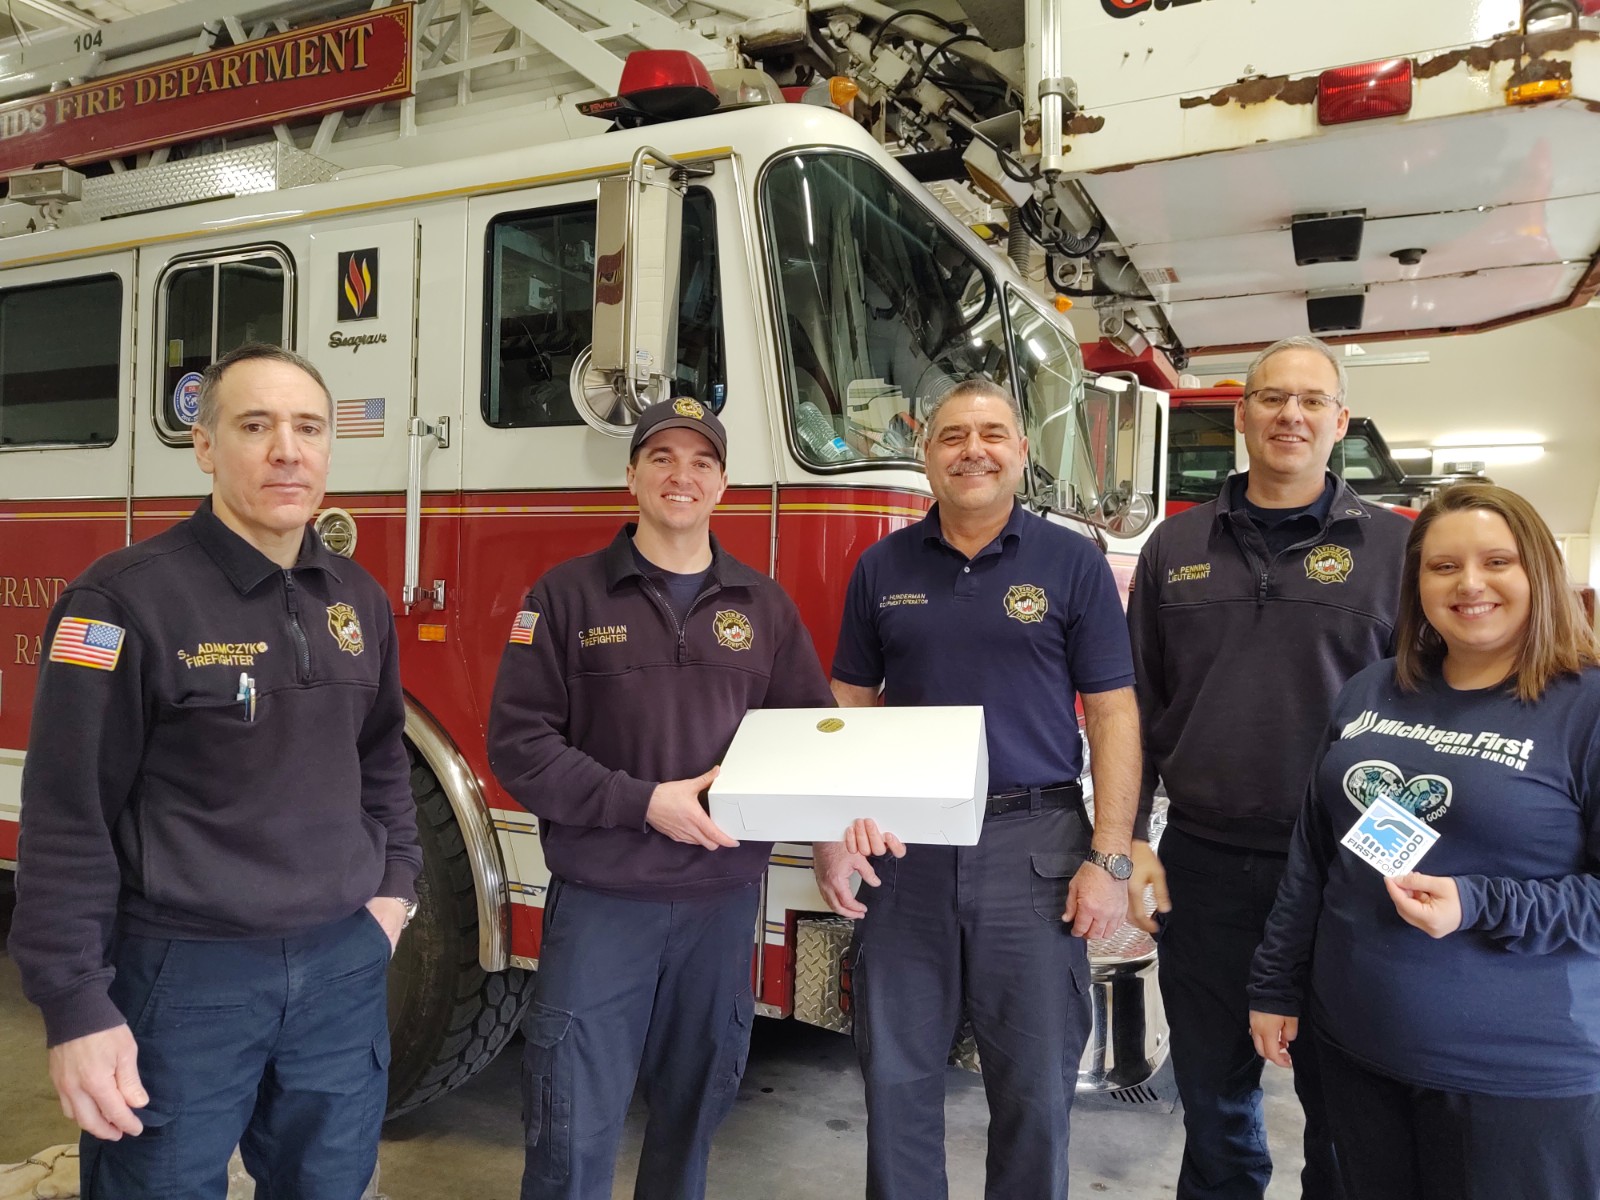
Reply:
x=279, y=1046
x=653, y=992
x=973, y=931
x=1221, y=897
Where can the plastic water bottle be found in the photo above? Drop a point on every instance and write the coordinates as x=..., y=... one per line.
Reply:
x=817, y=436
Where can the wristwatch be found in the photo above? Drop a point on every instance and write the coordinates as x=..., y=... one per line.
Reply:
x=411, y=907
x=1118, y=866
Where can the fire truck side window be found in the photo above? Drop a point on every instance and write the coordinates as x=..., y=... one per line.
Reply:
x=210, y=307
x=59, y=390
x=880, y=307
x=540, y=283
x=1200, y=452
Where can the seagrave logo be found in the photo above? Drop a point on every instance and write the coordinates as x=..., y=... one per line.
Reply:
x=1487, y=745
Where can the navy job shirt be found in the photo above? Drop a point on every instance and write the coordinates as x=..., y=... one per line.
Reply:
x=1285, y=527
x=1021, y=628
x=679, y=591
x=1509, y=1004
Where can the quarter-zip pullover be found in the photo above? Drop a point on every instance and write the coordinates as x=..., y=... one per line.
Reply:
x=1239, y=653
x=604, y=692
x=223, y=761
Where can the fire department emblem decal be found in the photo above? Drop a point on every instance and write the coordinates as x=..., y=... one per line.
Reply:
x=1329, y=564
x=1026, y=603
x=346, y=628
x=732, y=629
x=684, y=406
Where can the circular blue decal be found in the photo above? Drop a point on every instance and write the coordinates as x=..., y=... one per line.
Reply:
x=186, y=398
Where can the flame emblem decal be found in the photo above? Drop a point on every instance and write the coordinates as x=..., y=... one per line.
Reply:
x=358, y=284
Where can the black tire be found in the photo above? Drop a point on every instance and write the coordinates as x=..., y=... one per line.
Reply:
x=448, y=1017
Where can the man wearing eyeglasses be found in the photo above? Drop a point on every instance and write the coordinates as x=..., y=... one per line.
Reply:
x=1248, y=615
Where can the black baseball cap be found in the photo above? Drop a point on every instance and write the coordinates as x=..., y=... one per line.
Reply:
x=683, y=413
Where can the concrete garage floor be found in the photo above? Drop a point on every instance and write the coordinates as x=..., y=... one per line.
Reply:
x=797, y=1133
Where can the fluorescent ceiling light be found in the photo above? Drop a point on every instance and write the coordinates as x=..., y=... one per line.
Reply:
x=1489, y=456
x=1412, y=453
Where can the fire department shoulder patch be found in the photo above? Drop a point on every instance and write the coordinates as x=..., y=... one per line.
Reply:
x=1027, y=603
x=1329, y=564
x=346, y=628
x=732, y=630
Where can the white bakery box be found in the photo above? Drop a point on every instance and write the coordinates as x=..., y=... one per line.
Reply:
x=803, y=774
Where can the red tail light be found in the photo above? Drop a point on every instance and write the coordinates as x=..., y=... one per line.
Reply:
x=667, y=84
x=1364, y=92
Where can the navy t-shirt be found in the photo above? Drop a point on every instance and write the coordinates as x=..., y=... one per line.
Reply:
x=1021, y=628
x=679, y=591
x=1285, y=527
x=1509, y=1004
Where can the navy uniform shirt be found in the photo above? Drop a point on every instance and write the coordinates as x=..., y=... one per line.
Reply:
x=1021, y=628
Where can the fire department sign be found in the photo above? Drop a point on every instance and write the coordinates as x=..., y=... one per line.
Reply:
x=339, y=64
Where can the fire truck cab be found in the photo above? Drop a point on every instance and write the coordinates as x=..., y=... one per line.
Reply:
x=476, y=322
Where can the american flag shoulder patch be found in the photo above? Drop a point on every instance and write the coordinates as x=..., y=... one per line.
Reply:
x=522, y=628
x=81, y=642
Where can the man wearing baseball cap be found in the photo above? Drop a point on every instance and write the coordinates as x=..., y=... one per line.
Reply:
x=625, y=674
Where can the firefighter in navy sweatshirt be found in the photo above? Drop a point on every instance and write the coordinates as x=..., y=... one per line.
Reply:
x=1445, y=869
x=219, y=844
x=1248, y=615
x=625, y=675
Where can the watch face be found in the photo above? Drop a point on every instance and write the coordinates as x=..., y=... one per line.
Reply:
x=1119, y=866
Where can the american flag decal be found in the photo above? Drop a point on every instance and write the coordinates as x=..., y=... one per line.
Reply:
x=522, y=628
x=81, y=642
x=358, y=418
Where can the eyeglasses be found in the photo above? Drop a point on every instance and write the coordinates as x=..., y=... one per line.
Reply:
x=1311, y=403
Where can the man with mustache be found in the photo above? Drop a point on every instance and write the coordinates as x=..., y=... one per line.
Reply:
x=983, y=602
x=625, y=674
x=219, y=844
x=1249, y=614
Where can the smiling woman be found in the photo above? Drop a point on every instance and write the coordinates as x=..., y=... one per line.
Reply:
x=1477, y=747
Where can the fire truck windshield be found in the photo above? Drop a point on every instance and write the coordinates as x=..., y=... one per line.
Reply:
x=880, y=309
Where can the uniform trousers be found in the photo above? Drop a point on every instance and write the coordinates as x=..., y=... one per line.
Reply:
x=1397, y=1141
x=279, y=1046
x=975, y=932
x=634, y=991
x=1221, y=897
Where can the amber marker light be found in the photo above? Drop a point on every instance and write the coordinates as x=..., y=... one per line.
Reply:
x=1063, y=303
x=431, y=633
x=1539, y=89
x=842, y=90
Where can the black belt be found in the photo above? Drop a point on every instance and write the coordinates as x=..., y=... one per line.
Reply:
x=1057, y=795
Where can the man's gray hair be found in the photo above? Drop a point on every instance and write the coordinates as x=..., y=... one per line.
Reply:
x=211, y=377
x=1300, y=342
x=969, y=387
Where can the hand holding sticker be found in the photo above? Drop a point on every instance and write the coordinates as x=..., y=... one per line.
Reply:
x=1431, y=903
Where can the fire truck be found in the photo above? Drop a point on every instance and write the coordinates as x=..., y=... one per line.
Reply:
x=498, y=245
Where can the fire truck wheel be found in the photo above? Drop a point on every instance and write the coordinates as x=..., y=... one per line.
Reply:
x=448, y=1017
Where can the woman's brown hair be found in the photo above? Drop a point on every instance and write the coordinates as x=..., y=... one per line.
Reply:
x=1557, y=640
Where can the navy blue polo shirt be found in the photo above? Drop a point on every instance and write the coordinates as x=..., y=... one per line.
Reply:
x=1020, y=628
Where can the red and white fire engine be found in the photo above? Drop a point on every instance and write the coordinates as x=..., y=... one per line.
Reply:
x=490, y=320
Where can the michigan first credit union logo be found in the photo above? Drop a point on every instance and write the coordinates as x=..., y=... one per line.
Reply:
x=1026, y=603
x=358, y=284
x=1329, y=564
